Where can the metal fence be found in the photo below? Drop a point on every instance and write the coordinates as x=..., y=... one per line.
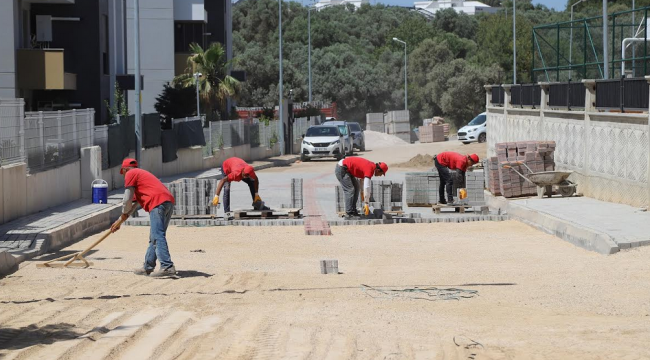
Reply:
x=12, y=141
x=230, y=133
x=55, y=138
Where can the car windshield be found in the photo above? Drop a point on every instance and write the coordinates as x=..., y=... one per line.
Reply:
x=322, y=131
x=479, y=120
x=354, y=127
x=343, y=129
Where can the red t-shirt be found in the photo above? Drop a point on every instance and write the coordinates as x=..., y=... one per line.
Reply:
x=149, y=191
x=233, y=167
x=360, y=167
x=452, y=160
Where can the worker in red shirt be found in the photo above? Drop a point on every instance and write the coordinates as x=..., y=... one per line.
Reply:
x=236, y=169
x=347, y=172
x=449, y=161
x=155, y=199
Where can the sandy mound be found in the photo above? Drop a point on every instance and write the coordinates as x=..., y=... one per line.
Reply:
x=376, y=140
x=418, y=161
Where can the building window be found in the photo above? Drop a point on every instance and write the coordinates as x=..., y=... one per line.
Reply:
x=186, y=33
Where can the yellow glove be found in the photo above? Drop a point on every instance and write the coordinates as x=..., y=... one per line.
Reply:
x=257, y=198
x=215, y=200
x=366, y=209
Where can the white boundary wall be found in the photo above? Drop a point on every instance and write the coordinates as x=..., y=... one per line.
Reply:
x=608, y=152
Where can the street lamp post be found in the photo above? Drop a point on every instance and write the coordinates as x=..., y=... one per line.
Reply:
x=309, y=56
x=406, y=93
x=196, y=80
x=514, y=43
x=138, y=87
x=605, y=30
x=571, y=41
x=281, y=109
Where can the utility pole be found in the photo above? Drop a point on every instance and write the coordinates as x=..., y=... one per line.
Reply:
x=514, y=42
x=281, y=109
x=406, y=93
x=196, y=82
x=605, y=55
x=138, y=86
x=309, y=56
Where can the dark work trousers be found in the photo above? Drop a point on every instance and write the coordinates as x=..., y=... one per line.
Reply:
x=350, y=186
x=446, y=180
x=226, y=191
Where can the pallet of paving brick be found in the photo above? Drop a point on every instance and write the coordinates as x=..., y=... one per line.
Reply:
x=267, y=214
x=195, y=217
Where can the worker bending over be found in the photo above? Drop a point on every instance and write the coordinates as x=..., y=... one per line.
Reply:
x=348, y=171
x=445, y=163
x=236, y=169
x=155, y=199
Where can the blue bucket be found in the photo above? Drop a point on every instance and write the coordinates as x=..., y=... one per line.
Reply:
x=100, y=191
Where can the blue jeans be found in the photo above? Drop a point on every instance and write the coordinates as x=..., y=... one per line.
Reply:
x=226, y=191
x=159, y=217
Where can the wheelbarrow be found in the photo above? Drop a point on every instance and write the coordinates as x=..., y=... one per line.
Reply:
x=547, y=180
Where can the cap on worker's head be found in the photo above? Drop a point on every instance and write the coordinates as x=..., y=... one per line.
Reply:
x=128, y=162
x=248, y=170
x=383, y=167
x=474, y=158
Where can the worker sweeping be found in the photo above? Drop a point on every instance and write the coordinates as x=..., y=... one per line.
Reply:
x=347, y=172
x=449, y=161
x=155, y=199
x=236, y=169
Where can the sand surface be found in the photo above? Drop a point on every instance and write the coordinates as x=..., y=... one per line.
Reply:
x=257, y=293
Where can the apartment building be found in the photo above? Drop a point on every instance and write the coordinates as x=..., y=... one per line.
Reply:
x=468, y=7
x=66, y=54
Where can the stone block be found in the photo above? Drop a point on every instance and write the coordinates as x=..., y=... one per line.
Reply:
x=91, y=169
x=14, y=188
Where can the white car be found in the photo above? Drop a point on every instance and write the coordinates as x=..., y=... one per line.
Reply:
x=322, y=141
x=474, y=131
x=346, y=133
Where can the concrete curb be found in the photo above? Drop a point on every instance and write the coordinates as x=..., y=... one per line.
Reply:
x=300, y=222
x=564, y=229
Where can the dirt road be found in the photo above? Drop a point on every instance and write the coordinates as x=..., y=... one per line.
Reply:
x=256, y=293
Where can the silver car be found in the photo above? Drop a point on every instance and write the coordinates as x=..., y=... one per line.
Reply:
x=359, y=137
x=346, y=133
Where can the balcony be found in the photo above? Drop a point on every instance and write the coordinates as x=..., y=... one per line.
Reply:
x=42, y=69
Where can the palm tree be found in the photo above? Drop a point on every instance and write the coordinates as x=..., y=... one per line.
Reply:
x=215, y=85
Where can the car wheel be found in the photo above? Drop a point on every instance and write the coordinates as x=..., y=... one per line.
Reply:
x=303, y=158
x=338, y=157
x=482, y=137
x=362, y=147
x=465, y=143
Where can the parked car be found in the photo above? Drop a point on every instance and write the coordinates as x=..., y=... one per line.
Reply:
x=474, y=131
x=322, y=141
x=346, y=132
x=359, y=138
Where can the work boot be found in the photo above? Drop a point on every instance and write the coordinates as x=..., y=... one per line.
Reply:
x=352, y=216
x=442, y=202
x=142, y=271
x=170, y=271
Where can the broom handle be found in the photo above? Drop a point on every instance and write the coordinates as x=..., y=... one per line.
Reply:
x=81, y=254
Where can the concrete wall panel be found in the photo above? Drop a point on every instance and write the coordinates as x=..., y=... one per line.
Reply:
x=14, y=188
x=53, y=187
x=91, y=169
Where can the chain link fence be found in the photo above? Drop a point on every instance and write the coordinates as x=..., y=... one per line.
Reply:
x=12, y=145
x=230, y=133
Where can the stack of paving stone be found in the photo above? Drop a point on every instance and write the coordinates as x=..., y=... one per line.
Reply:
x=475, y=182
x=397, y=123
x=422, y=188
x=431, y=133
x=537, y=155
x=193, y=196
x=493, y=176
x=296, y=193
x=375, y=122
